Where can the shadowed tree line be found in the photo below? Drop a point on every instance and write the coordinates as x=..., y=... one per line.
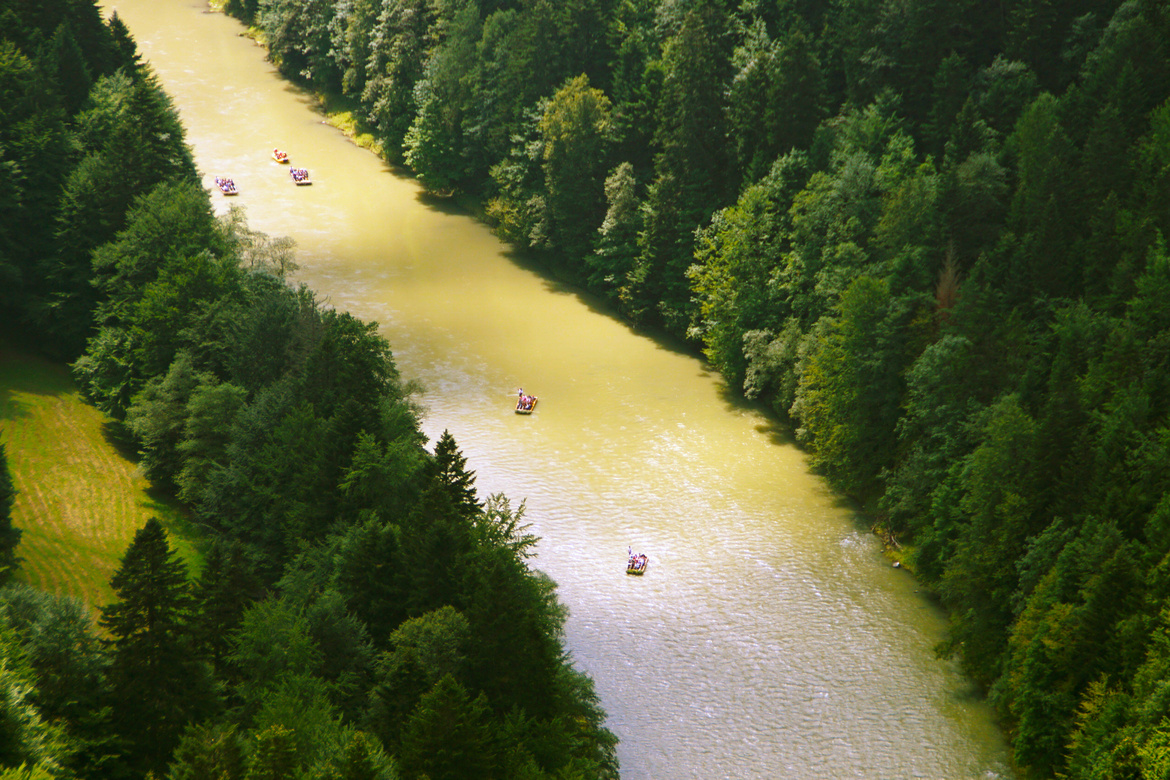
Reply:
x=362, y=612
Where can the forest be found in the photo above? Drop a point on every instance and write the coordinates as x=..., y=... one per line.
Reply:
x=930, y=234
x=361, y=613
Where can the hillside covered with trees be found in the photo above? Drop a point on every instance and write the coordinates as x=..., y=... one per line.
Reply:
x=362, y=612
x=931, y=235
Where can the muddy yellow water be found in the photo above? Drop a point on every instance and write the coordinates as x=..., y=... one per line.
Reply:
x=768, y=638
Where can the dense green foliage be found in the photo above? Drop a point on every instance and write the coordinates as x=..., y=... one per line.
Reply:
x=362, y=613
x=929, y=234
x=9, y=534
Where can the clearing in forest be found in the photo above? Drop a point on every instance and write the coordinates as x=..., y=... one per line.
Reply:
x=80, y=496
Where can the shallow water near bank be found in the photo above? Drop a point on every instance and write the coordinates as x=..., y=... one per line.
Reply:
x=768, y=638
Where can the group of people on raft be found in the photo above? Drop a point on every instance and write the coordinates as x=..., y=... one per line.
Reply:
x=299, y=175
x=637, y=562
x=279, y=156
x=227, y=186
x=525, y=402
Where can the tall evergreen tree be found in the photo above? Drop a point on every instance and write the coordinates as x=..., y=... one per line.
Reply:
x=125, y=49
x=617, y=238
x=158, y=684
x=574, y=131
x=448, y=737
x=373, y=576
x=223, y=592
x=66, y=66
x=695, y=172
x=209, y=751
x=33, y=161
x=450, y=470
x=274, y=756
x=391, y=68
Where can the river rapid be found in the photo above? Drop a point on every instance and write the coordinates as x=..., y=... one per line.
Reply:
x=769, y=638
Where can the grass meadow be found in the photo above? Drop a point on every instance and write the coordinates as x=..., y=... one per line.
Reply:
x=80, y=496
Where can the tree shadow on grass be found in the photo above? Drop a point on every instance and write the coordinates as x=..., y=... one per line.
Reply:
x=188, y=537
x=12, y=409
x=116, y=435
x=23, y=373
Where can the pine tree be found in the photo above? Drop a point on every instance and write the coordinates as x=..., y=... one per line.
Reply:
x=157, y=684
x=422, y=651
x=450, y=469
x=209, y=751
x=66, y=66
x=448, y=737
x=575, y=129
x=694, y=173
x=275, y=755
x=126, y=50
x=27, y=738
x=226, y=587
x=373, y=575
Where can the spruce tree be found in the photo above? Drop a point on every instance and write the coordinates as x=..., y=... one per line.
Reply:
x=209, y=751
x=66, y=66
x=450, y=470
x=227, y=586
x=274, y=756
x=125, y=49
x=157, y=683
x=449, y=735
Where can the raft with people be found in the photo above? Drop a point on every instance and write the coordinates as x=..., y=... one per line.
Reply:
x=279, y=156
x=226, y=185
x=637, y=563
x=525, y=403
x=300, y=176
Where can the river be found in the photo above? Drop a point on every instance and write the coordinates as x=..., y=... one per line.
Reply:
x=769, y=638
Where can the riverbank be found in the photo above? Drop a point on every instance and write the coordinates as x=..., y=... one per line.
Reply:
x=343, y=114
x=764, y=589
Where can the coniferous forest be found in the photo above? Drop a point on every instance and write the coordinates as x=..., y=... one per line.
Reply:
x=362, y=613
x=930, y=234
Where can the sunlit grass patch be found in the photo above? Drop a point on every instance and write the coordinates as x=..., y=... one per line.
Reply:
x=80, y=497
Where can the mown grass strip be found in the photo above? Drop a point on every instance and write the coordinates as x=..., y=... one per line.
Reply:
x=80, y=498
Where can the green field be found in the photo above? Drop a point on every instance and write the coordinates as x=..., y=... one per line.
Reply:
x=80, y=498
